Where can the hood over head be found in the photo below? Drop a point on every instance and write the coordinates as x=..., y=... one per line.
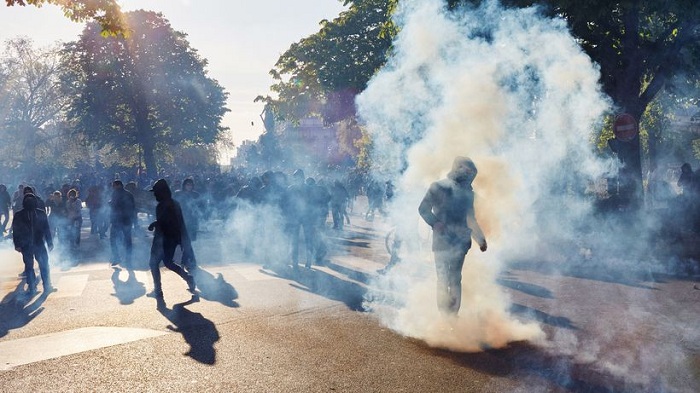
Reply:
x=187, y=181
x=29, y=202
x=161, y=190
x=463, y=170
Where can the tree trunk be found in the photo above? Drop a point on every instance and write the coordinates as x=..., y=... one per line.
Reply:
x=149, y=160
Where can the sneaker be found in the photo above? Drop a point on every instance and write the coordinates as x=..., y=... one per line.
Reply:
x=114, y=264
x=49, y=289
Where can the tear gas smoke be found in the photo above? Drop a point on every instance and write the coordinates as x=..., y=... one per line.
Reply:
x=513, y=91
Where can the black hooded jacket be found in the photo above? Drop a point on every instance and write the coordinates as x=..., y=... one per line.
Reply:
x=30, y=226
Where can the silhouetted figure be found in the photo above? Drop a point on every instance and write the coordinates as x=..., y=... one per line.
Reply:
x=74, y=208
x=448, y=207
x=689, y=182
x=318, y=199
x=31, y=236
x=190, y=203
x=122, y=214
x=5, y=206
x=251, y=192
x=375, y=200
x=40, y=204
x=170, y=231
x=339, y=202
x=56, y=209
x=295, y=210
x=95, y=202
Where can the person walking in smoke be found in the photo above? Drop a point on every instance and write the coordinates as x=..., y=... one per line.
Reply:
x=190, y=203
x=318, y=199
x=5, y=206
x=122, y=213
x=170, y=231
x=74, y=207
x=31, y=234
x=339, y=201
x=96, y=209
x=448, y=207
x=295, y=210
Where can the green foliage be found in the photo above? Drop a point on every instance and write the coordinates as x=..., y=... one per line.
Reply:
x=321, y=74
x=105, y=12
x=31, y=103
x=149, y=88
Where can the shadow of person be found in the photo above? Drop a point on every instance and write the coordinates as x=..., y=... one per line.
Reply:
x=215, y=288
x=323, y=284
x=129, y=290
x=199, y=332
x=17, y=309
x=526, y=361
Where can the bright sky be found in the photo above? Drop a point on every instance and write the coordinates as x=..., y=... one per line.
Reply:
x=241, y=39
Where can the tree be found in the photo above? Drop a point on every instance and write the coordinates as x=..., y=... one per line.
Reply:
x=105, y=12
x=32, y=106
x=321, y=74
x=148, y=90
x=641, y=46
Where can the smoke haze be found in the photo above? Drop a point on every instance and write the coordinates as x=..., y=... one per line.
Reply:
x=514, y=92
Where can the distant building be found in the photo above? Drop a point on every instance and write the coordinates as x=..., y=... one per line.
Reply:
x=247, y=150
x=309, y=144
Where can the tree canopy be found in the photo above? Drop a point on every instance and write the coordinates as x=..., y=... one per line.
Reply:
x=321, y=74
x=148, y=90
x=31, y=103
x=105, y=12
x=640, y=46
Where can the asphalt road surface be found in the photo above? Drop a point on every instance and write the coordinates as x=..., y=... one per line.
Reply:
x=273, y=329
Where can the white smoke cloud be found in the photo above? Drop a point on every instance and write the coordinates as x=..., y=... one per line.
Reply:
x=513, y=91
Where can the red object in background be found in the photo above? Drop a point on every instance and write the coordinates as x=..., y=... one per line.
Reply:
x=625, y=127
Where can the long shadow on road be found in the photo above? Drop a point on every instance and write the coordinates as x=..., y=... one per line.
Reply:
x=129, y=290
x=522, y=361
x=215, y=289
x=17, y=309
x=323, y=284
x=591, y=271
x=199, y=332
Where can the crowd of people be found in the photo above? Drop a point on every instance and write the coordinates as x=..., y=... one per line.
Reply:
x=38, y=215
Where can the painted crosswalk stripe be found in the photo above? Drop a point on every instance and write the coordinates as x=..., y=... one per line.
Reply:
x=49, y=346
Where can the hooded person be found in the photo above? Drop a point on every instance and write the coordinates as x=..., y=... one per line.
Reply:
x=448, y=207
x=122, y=214
x=170, y=231
x=31, y=235
x=190, y=202
x=191, y=205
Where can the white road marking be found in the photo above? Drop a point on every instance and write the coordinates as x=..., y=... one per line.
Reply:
x=70, y=285
x=29, y=350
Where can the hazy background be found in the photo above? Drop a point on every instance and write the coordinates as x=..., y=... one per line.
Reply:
x=242, y=40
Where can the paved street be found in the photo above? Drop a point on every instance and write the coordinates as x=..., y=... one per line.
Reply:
x=256, y=329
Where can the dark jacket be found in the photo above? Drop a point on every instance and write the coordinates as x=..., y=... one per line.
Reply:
x=30, y=226
x=123, y=207
x=450, y=202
